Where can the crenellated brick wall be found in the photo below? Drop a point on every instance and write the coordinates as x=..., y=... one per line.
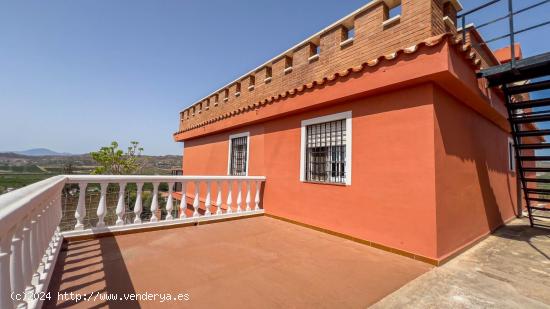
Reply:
x=375, y=35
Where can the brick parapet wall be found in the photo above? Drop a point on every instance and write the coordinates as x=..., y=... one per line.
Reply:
x=420, y=19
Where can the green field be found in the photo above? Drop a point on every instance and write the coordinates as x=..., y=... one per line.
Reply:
x=20, y=180
x=32, y=168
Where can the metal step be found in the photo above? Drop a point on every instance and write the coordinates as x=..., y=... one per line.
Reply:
x=540, y=208
x=533, y=133
x=534, y=158
x=537, y=180
x=530, y=104
x=538, y=199
x=535, y=117
x=537, y=169
x=534, y=146
x=537, y=191
x=529, y=87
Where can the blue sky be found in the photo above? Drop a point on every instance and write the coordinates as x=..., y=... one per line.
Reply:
x=79, y=74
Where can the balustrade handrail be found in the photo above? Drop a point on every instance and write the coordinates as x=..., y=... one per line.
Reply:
x=160, y=178
x=17, y=204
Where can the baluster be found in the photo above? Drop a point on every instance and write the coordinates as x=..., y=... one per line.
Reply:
x=35, y=250
x=59, y=216
x=49, y=229
x=101, y=207
x=138, y=206
x=120, y=206
x=219, y=198
x=27, y=256
x=16, y=267
x=207, y=201
x=80, y=212
x=41, y=239
x=247, y=201
x=155, y=202
x=239, y=196
x=169, y=202
x=183, y=204
x=229, y=196
x=196, y=200
x=257, y=198
x=5, y=282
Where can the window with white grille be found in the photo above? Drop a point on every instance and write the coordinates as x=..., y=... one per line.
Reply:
x=326, y=153
x=238, y=155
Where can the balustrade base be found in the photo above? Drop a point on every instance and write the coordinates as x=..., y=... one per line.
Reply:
x=142, y=227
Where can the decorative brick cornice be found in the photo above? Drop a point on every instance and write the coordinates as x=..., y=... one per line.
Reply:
x=466, y=50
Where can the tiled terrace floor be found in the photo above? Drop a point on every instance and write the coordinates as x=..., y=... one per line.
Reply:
x=510, y=269
x=250, y=263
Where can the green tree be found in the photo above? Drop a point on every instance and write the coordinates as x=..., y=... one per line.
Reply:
x=113, y=161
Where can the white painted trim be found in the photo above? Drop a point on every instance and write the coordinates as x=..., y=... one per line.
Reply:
x=338, y=116
x=347, y=42
x=510, y=151
x=267, y=80
x=231, y=137
x=288, y=70
x=392, y=20
x=449, y=22
x=314, y=57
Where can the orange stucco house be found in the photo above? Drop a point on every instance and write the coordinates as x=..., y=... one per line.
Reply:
x=376, y=128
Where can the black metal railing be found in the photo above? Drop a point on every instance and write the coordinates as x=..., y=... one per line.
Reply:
x=510, y=16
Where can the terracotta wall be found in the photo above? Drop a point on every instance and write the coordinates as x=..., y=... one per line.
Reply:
x=430, y=175
x=392, y=197
x=475, y=191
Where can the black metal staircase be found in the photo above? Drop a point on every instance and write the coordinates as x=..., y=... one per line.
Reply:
x=518, y=79
x=526, y=116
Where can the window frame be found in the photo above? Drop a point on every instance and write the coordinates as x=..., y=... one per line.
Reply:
x=229, y=151
x=347, y=116
x=511, y=155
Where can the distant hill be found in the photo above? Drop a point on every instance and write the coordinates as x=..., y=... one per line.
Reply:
x=40, y=152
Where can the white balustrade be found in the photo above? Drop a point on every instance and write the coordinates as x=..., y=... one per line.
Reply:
x=247, y=200
x=16, y=265
x=229, y=197
x=30, y=218
x=102, y=206
x=29, y=240
x=81, y=206
x=257, y=197
x=196, y=200
x=183, y=203
x=219, y=198
x=169, y=202
x=239, y=196
x=155, y=202
x=120, y=205
x=207, y=202
x=138, y=204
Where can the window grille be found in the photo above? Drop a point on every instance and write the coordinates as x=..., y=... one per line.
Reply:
x=326, y=152
x=238, y=156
